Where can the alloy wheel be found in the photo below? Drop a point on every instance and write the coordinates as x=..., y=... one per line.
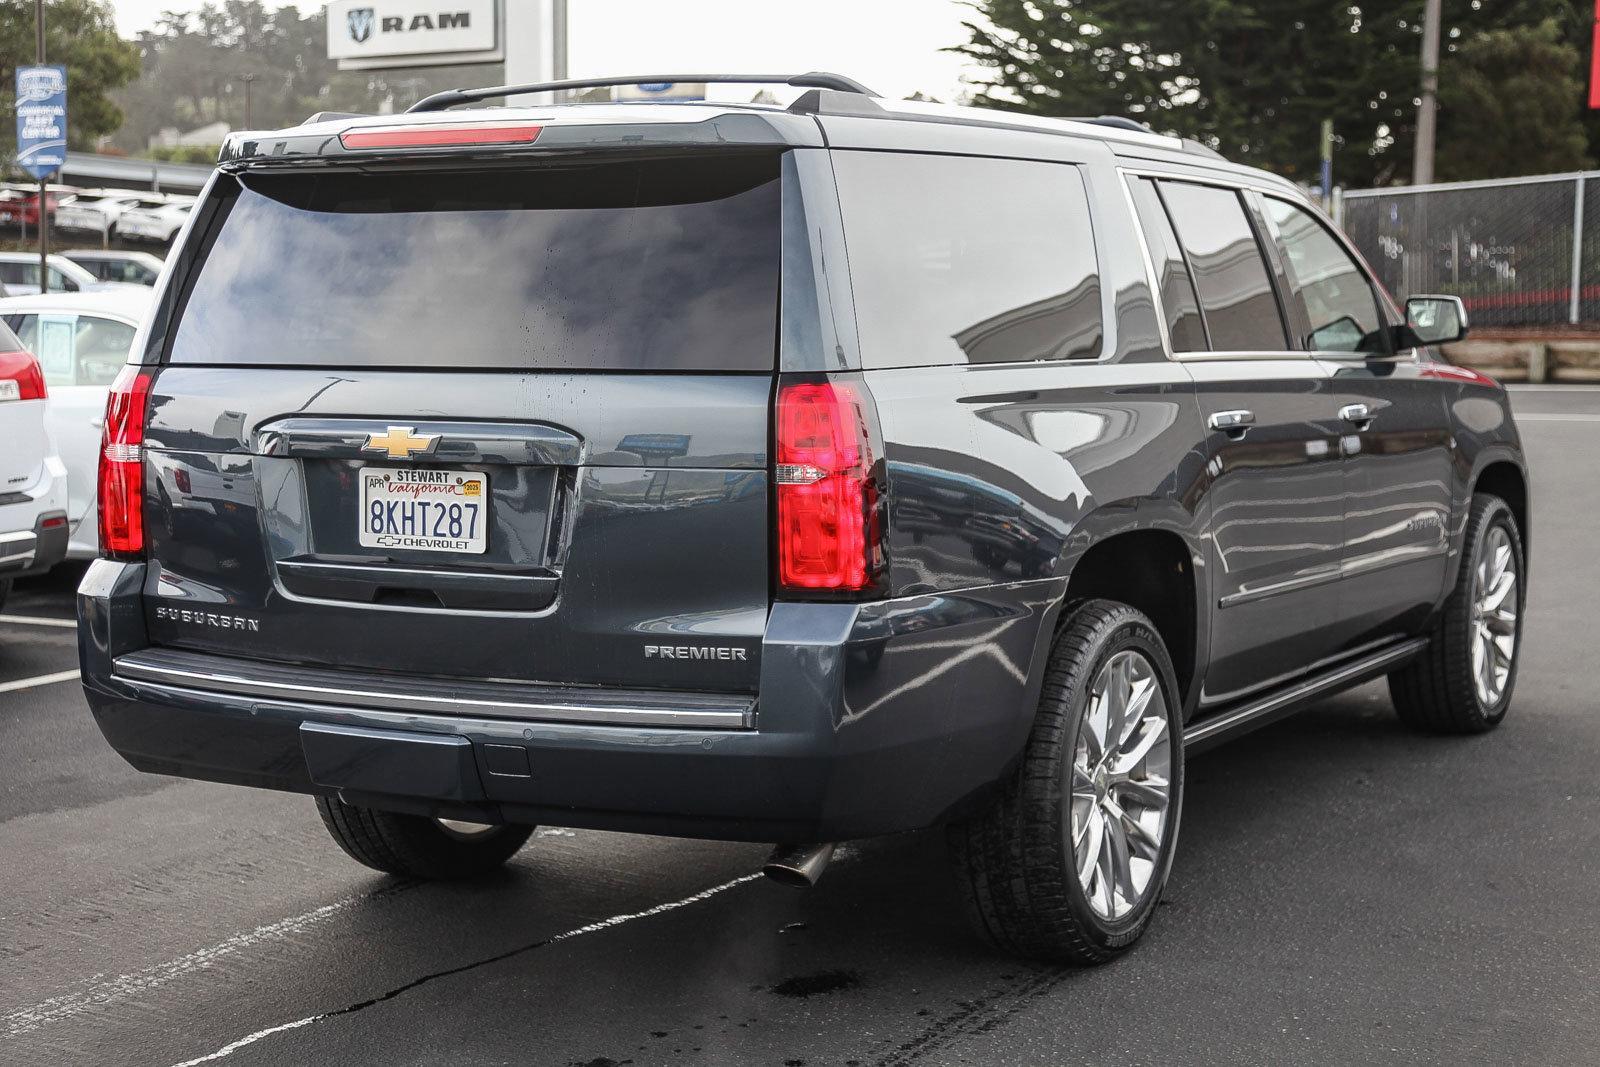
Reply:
x=1121, y=785
x=1494, y=616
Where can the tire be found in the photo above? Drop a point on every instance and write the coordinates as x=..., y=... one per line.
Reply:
x=1014, y=859
x=1440, y=691
x=416, y=846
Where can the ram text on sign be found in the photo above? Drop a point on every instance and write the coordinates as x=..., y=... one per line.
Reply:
x=377, y=29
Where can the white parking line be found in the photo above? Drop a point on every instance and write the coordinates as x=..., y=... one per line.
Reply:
x=103, y=991
x=604, y=924
x=36, y=620
x=43, y=679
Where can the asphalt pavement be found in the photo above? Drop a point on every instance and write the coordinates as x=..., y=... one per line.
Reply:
x=1344, y=892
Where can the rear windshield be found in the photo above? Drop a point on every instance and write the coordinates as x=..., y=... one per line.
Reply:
x=651, y=265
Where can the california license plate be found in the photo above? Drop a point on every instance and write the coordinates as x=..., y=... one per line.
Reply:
x=428, y=511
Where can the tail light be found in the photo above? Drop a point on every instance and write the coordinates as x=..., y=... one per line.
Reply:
x=121, y=488
x=20, y=377
x=827, y=514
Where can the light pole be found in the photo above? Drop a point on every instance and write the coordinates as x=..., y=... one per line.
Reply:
x=248, y=124
x=1422, y=162
x=44, y=181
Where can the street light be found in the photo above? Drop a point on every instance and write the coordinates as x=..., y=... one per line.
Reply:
x=44, y=186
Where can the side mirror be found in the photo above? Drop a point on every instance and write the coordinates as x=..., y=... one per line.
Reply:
x=1433, y=320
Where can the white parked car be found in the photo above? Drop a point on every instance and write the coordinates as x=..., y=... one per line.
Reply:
x=154, y=223
x=81, y=341
x=97, y=210
x=112, y=265
x=33, y=480
x=19, y=273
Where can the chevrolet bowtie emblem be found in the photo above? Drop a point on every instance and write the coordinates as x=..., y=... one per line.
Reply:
x=401, y=442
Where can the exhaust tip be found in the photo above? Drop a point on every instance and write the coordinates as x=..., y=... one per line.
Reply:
x=798, y=866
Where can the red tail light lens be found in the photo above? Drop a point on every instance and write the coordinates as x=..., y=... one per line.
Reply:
x=121, y=488
x=20, y=377
x=440, y=136
x=827, y=527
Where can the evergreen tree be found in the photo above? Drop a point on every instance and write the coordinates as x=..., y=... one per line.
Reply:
x=1252, y=78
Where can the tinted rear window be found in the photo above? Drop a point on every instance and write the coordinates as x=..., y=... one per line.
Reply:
x=959, y=259
x=654, y=265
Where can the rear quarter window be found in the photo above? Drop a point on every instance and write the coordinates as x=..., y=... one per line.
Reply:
x=957, y=259
x=650, y=265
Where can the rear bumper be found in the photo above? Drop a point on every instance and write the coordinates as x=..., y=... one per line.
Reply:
x=33, y=524
x=871, y=719
x=25, y=552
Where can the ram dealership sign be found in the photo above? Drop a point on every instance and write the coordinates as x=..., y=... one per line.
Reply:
x=364, y=34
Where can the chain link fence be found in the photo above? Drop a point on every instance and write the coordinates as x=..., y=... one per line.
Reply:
x=1520, y=252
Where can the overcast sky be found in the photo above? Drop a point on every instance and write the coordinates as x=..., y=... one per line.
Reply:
x=891, y=45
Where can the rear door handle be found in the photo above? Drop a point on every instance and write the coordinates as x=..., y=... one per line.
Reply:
x=1233, y=423
x=1359, y=414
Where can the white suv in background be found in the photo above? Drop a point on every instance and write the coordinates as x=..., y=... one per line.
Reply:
x=97, y=210
x=158, y=224
x=33, y=480
x=81, y=341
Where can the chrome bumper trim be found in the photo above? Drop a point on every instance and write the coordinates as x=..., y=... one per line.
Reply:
x=191, y=673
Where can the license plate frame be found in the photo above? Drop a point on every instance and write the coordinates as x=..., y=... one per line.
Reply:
x=421, y=510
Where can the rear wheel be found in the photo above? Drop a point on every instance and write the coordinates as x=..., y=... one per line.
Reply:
x=416, y=846
x=1462, y=682
x=1068, y=861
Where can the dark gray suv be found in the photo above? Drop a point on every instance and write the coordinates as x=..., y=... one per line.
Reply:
x=782, y=474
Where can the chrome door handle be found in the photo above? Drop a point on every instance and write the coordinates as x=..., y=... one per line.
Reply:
x=1236, y=421
x=1356, y=413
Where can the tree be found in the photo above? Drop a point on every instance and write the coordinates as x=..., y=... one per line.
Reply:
x=1505, y=108
x=195, y=66
x=1253, y=78
x=80, y=35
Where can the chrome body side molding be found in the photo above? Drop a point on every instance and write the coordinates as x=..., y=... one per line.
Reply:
x=1215, y=729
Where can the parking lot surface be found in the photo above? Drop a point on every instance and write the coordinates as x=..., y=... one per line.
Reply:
x=1344, y=891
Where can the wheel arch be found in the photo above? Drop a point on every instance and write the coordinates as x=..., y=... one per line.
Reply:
x=1156, y=570
x=1508, y=480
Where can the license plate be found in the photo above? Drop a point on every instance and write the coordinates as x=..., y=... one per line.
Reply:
x=423, y=510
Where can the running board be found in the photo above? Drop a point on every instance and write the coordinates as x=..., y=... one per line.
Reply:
x=1229, y=724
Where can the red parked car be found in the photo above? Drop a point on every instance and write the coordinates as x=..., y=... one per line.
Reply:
x=21, y=208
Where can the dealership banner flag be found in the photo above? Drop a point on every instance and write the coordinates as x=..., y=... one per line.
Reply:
x=41, y=119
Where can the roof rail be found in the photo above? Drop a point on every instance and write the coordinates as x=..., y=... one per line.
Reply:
x=814, y=80
x=1117, y=122
x=325, y=116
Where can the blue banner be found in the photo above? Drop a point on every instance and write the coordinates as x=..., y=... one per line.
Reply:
x=41, y=119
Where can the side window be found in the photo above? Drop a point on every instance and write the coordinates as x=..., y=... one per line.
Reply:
x=27, y=330
x=15, y=273
x=1327, y=286
x=59, y=283
x=957, y=259
x=1178, y=300
x=1235, y=289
